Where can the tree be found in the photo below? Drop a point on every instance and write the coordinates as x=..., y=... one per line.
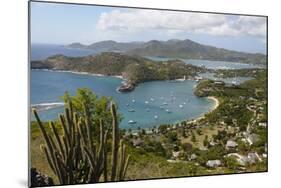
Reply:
x=193, y=137
x=172, y=137
x=85, y=101
x=206, y=141
x=231, y=163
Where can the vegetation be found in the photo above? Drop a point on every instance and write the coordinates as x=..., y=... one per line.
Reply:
x=174, y=49
x=134, y=69
x=185, y=148
x=76, y=157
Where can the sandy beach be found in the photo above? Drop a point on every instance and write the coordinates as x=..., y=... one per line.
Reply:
x=203, y=115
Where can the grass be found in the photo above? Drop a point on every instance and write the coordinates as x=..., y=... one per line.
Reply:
x=207, y=130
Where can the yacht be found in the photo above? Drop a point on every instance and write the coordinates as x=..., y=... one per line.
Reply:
x=132, y=122
x=131, y=110
x=168, y=111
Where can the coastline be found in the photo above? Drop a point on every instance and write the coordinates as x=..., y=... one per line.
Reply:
x=82, y=73
x=217, y=103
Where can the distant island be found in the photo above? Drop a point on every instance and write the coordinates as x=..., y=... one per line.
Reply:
x=174, y=48
x=132, y=68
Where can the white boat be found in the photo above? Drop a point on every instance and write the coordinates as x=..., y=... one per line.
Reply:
x=131, y=110
x=164, y=103
x=181, y=106
x=132, y=122
x=152, y=99
x=133, y=100
x=155, y=117
x=146, y=102
x=168, y=111
x=181, y=79
x=184, y=103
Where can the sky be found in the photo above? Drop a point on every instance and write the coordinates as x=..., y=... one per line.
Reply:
x=53, y=23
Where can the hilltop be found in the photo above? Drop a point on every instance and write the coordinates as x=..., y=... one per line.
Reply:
x=134, y=69
x=175, y=48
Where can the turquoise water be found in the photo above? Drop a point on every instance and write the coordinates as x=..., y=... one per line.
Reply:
x=155, y=103
x=169, y=101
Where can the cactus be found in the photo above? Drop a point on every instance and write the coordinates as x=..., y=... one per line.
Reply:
x=75, y=156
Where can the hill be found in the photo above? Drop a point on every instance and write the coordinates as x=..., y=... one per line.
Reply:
x=175, y=48
x=134, y=69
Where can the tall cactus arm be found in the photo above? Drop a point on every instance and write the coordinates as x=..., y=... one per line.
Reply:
x=58, y=140
x=115, y=142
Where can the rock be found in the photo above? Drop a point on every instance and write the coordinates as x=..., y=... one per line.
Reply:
x=38, y=179
x=126, y=87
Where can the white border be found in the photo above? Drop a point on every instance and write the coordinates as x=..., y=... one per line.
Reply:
x=13, y=100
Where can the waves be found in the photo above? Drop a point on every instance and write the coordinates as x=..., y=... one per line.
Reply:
x=47, y=106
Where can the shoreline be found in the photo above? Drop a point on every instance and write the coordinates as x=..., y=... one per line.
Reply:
x=217, y=103
x=82, y=73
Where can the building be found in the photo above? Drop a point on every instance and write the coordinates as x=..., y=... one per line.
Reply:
x=231, y=144
x=213, y=163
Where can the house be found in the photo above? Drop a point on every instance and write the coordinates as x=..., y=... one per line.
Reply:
x=213, y=163
x=242, y=160
x=137, y=142
x=263, y=124
x=252, y=138
x=193, y=157
x=253, y=158
x=212, y=143
x=231, y=144
x=176, y=154
x=219, y=82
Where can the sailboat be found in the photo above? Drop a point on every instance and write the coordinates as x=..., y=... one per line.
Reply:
x=234, y=82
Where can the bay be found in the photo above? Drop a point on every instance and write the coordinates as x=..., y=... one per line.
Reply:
x=154, y=103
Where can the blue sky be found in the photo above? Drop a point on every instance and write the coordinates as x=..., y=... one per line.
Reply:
x=64, y=23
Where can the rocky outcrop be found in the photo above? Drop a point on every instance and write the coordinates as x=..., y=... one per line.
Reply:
x=38, y=179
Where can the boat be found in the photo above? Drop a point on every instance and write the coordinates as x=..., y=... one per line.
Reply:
x=131, y=110
x=133, y=100
x=164, y=103
x=181, y=79
x=234, y=82
x=155, y=117
x=148, y=110
x=168, y=111
x=132, y=122
x=146, y=102
x=181, y=106
x=127, y=104
x=184, y=103
x=152, y=99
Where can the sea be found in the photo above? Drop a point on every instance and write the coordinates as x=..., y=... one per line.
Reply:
x=150, y=104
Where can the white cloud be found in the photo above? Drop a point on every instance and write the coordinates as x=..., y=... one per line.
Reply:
x=173, y=23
